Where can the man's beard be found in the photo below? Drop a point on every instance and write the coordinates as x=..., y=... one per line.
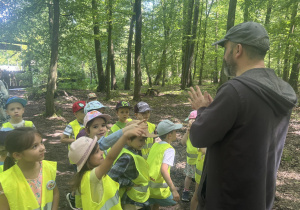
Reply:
x=229, y=67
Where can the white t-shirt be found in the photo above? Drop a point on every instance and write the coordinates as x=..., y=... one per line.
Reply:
x=169, y=155
x=20, y=124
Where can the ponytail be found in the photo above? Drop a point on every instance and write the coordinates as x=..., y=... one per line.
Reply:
x=8, y=162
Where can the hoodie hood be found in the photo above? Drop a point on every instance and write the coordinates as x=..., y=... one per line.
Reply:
x=277, y=93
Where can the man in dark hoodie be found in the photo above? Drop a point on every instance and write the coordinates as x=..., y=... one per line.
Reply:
x=244, y=127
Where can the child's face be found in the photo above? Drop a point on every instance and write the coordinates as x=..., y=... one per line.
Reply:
x=15, y=110
x=172, y=136
x=96, y=158
x=102, y=110
x=97, y=128
x=91, y=99
x=137, y=143
x=123, y=114
x=35, y=153
x=143, y=115
x=80, y=115
x=191, y=122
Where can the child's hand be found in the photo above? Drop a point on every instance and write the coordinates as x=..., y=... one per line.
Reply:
x=137, y=130
x=176, y=196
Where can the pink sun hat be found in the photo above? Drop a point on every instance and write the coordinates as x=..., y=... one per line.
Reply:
x=94, y=114
x=192, y=115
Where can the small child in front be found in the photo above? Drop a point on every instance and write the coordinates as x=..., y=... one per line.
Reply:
x=132, y=172
x=160, y=159
x=191, y=156
x=97, y=190
x=15, y=108
x=28, y=181
x=122, y=111
x=142, y=112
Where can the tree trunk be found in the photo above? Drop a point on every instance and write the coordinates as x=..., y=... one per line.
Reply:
x=293, y=81
x=109, y=48
x=113, y=69
x=147, y=68
x=230, y=23
x=246, y=10
x=207, y=11
x=52, y=77
x=215, y=74
x=161, y=67
x=128, y=69
x=138, y=46
x=186, y=42
x=286, y=70
x=100, y=72
x=267, y=22
x=193, y=40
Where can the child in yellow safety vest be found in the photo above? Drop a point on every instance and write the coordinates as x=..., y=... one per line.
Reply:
x=95, y=124
x=15, y=108
x=74, y=127
x=160, y=159
x=132, y=172
x=142, y=112
x=97, y=190
x=199, y=168
x=28, y=181
x=3, y=152
x=122, y=111
x=191, y=156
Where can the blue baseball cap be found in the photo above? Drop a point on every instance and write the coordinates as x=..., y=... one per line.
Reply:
x=166, y=126
x=15, y=99
x=93, y=105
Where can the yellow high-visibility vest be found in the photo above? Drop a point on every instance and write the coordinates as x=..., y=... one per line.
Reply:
x=191, y=152
x=9, y=125
x=158, y=187
x=199, y=166
x=110, y=199
x=18, y=192
x=149, y=142
x=140, y=192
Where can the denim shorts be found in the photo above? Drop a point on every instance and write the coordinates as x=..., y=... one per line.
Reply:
x=163, y=202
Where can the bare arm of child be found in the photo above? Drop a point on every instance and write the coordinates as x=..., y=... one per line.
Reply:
x=165, y=173
x=55, y=198
x=3, y=200
x=185, y=137
x=203, y=151
x=116, y=149
x=66, y=139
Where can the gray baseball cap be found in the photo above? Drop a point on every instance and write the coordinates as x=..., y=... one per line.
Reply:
x=249, y=33
x=166, y=126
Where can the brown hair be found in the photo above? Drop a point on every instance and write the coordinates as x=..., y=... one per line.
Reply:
x=76, y=181
x=18, y=140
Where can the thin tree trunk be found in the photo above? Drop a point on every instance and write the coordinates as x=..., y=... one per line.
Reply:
x=267, y=22
x=100, y=72
x=109, y=48
x=147, y=68
x=293, y=81
x=161, y=67
x=137, y=57
x=246, y=10
x=52, y=77
x=129, y=46
x=113, y=69
x=230, y=23
x=286, y=71
x=215, y=74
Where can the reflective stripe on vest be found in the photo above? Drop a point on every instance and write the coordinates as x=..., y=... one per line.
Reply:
x=199, y=166
x=192, y=152
x=19, y=193
x=159, y=189
x=9, y=125
x=111, y=202
x=157, y=185
x=140, y=193
x=192, y=155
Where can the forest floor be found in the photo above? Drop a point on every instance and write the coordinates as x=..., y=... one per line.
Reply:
x=171, y=103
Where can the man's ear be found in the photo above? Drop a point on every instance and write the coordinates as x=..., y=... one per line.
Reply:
x=17, y=155
x=239, y=50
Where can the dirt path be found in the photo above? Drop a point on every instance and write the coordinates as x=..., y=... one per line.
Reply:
x=288, y=184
